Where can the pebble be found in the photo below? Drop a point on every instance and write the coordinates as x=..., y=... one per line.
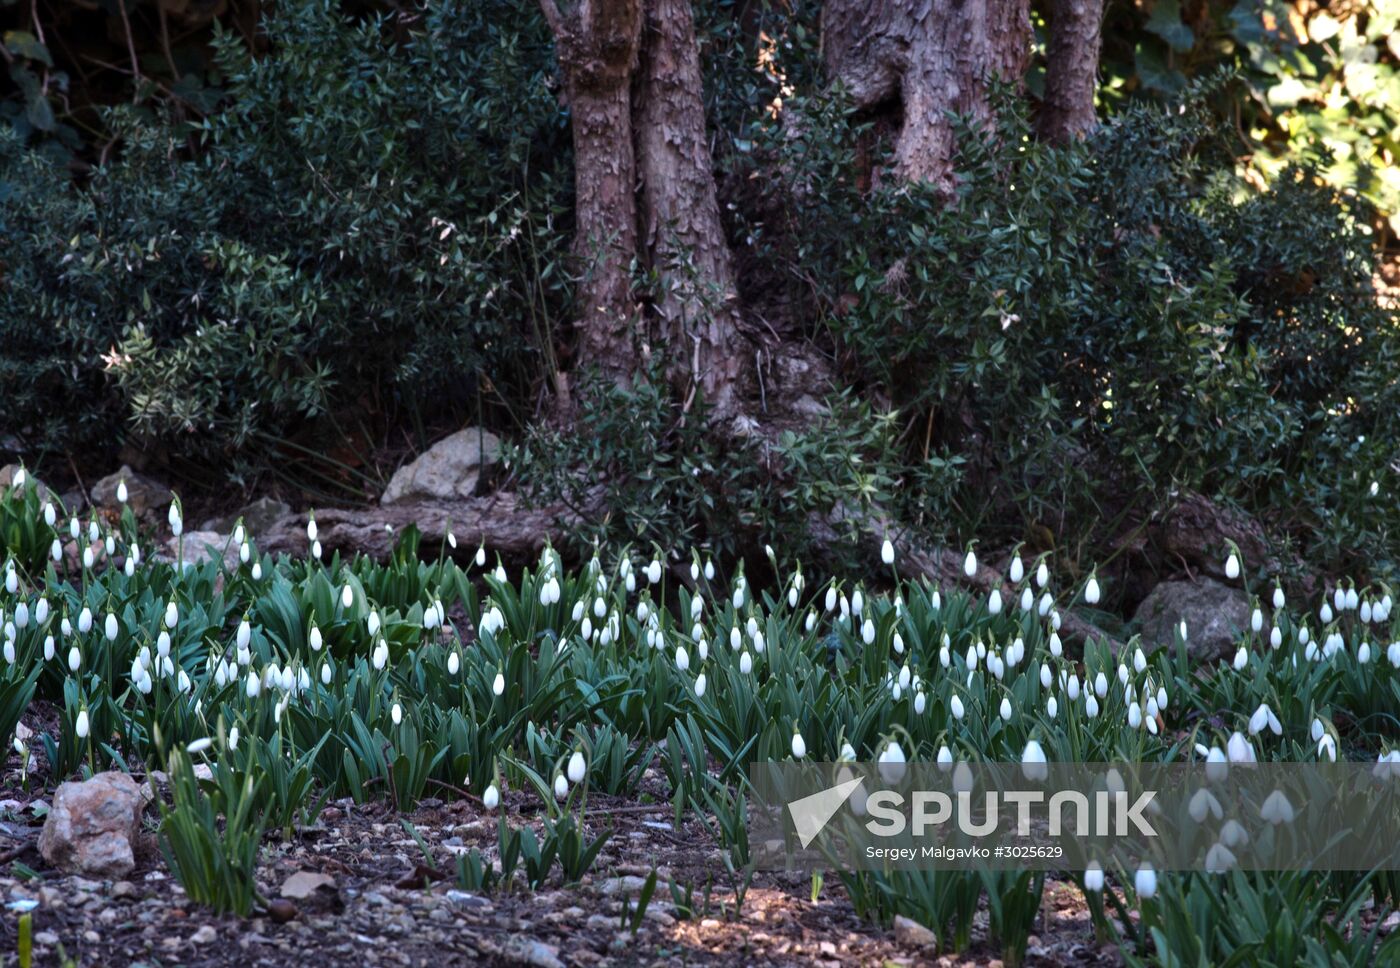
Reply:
x=205, y=935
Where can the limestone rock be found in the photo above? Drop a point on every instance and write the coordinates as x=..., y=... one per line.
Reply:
x=202, y=546
x=447, y=471
x=258, y=517
x=142, y=493
x=93, y=825
x=910, y=932
x=1215, y=615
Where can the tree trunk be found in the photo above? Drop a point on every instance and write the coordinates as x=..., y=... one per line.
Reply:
x=1072, y=75
x=680, y=222
x=596, y=44
x=936, y=57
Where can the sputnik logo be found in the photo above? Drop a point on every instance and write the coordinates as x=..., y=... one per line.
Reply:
x=812, y=813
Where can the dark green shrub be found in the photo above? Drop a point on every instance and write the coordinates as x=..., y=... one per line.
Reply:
x=364, y=234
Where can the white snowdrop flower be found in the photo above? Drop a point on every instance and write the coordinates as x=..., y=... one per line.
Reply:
x=176, y=519
x=586, y=629
x=347, y=596
x=1042, y=575
x=1017, y=570
x=316, y=550
x=1091, y=706
x=920, y=703
x=1052, y=707
x=88, y=559
x=50, y=648
x=736, y=638
x=1363, y=653
x=1145, y=882
x=325, y=673
x=498, y=685
x=1134, y=716
x=745, y=663
x=1046, y=676
x=1365, y=615
x=561, y=787
x=944, y=759
x=254, y=685
x=491, y=799
x=50, y=514
x=1033, y=762
x=74, y=528
x=454, y=662
x=245, y=633
x=955, y=705
x=892, y=763
x=56, y=550
x=1327, y=747
x=1241, y=659
x=1352, y=599
x=867, y=632
x=1278, y=597
x=1239, y=750
x=1304, y=635
x=682, y=658
x=314, y=638
x=887, y=552
x=935, y=601
x=1392, y=653
x=1161, y=697
x=373, y=623
x=22, y=615
x=1072, y=687
x=1093, y=878
x=380, y=657
x=577, y=767
x=1325, y=613
x=1101, y=685
x=9, y=651
x=41, y=611
x=110, y=627
x=1055, y=619
x=1139, y=660
x=759, y=642
x=994, y=602
x=75, y=659
x=1375, y=488
x=396, y=714
x=700, y=686
x=1232, y=566
x=1091, y=590
x=738, y=596
x=600, y=608
x=709, y=570
x=183, y=682
x=1005, y=708
x=1276, y=809
x=898, y=642
x=1275, y=637
x=695, y=571
x=831, y=598
x=109, y=545
x=244, y=552
x=81, y=725
x=1256, y=619
x=857, y=602
x=163, y=644
x=799, y=746
x=481, y=556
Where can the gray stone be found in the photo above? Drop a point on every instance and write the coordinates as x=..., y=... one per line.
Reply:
x=449, y=470
x=202, y=546
x=93, y=826
x=142, y=493
x=910, y=932
x=258, y=517
x=1215, y=615
x=532, y=951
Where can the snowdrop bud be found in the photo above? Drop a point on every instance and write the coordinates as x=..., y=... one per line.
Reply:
x=1145, y=883
x=1033, y=763
x=498, y=685
x=396, y=714
x=1091, y=591
x=1275, y=637
x=1005, y=708
x=56, y=550
x=325, y=673
x=1139, y=661
x=920, y=703
x=1052, y=707
x=1325, y=613
x=347, y=596
x=1278, y=597
x=994, y=602
x=1093, y=878
x=682, y=658
x=75, y=659
x=1363, y=654
x=254, y=685
x=945, y=758
x=857, y=602
x=110, y=628
x=50, y=514
x=1101, y=685
x=799, y=746
x=1241, y=659
x=1232, y=566
x=21, y=615
x=891, y=763
x=956, y=706
x=491, y=799
x=315, y=639
x=746, y=663
x=561, y=787
x=709, y=570
x=1091, y=706
x=88, y=559
x=831, y=598
x=1045, y=675
x=176, y=519
x=49, y=648
x=887, y=552
x=867, y=632
x=1134, y=716
x=898, y=642
x=1238, y=750
x=81, y=725
x=1365, y=612
x=970, y=564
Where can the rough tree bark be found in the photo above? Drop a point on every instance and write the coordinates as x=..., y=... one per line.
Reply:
x=935, y=57
x=681, y=230
x=1072, y=72
x=596, y=42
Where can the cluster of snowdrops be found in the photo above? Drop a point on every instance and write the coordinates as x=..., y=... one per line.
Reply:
x=265, y=687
